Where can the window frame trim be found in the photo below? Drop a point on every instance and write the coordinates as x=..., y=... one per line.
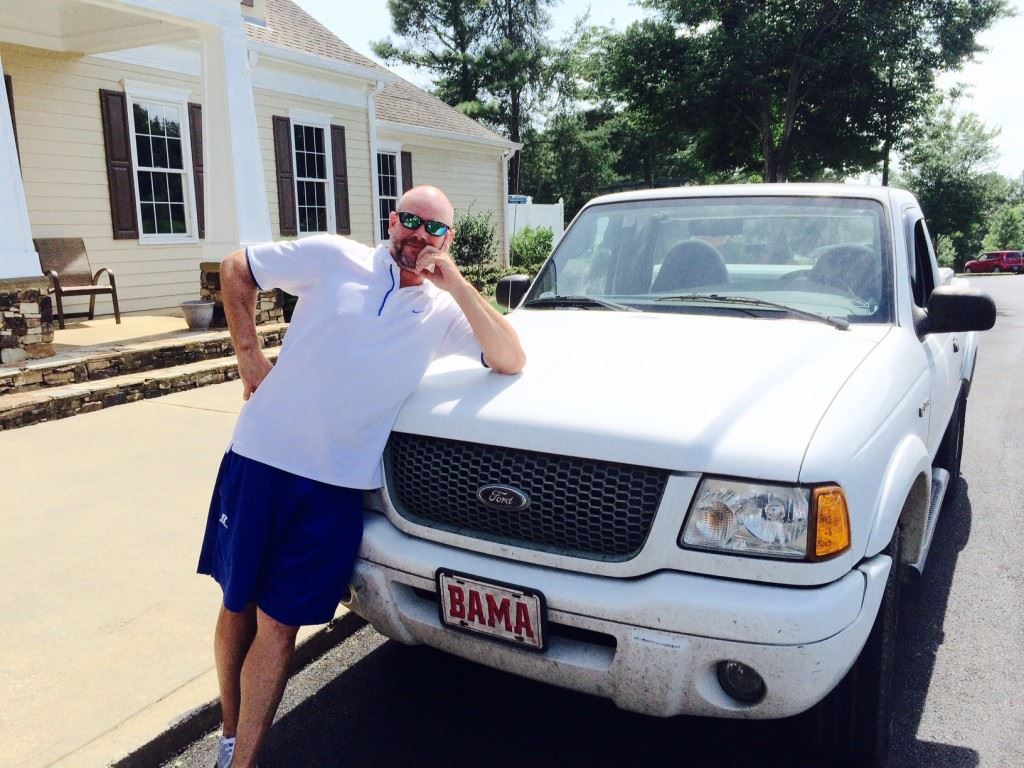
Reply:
x=177, y=97
x=323, y=121
x=386, y=148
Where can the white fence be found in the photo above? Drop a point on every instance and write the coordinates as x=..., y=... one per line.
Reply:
x=523, y=212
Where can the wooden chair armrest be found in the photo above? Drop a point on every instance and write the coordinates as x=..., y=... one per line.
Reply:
x=54, y=278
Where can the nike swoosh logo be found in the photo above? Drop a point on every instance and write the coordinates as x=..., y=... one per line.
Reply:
x=417, y=311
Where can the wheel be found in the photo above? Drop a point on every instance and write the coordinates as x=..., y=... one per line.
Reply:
x=852, y=724
x=952, y=446
x=996, y=271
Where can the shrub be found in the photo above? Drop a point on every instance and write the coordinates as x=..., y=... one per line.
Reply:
x=529, y=247
x=474, y=245
x=1006, y=229
x=945, y=252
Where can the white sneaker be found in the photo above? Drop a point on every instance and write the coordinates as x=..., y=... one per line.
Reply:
x=225, y=751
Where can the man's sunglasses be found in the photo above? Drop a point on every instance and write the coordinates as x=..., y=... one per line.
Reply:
x=433, y=228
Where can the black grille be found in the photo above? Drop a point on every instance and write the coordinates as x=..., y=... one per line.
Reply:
x=579, y=507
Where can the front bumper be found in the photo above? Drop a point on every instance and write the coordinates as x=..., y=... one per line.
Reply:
x=650, y=644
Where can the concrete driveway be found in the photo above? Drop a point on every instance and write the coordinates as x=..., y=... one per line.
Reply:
x=107, y=635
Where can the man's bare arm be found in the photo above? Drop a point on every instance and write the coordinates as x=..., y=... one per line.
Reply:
x=498, y=339
x=239, y=291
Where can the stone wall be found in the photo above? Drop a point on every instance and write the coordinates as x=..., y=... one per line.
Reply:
x=269, y=307
x=26, y=320
x=130, y=359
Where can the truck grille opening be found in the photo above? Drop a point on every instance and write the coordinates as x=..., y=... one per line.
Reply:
x=577, y=507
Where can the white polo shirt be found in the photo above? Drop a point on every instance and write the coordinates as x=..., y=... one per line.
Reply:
x=357, y=346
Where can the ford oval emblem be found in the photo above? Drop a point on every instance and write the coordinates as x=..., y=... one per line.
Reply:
x=503, y=497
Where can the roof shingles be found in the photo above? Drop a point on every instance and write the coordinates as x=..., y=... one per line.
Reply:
x=289, y=26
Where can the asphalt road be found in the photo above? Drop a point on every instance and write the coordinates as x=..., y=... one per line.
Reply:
x=372, y=702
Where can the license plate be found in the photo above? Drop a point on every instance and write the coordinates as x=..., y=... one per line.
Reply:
x=501, y=611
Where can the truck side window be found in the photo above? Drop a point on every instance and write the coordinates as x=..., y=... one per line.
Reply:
x=922, y=277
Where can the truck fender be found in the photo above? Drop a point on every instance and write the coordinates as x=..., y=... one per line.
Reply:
x=909, y=466
x=970, y=343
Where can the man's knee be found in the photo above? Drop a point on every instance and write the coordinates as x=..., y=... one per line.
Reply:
x=275, y=631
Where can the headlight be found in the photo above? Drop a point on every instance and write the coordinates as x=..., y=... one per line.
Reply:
x=767, y=520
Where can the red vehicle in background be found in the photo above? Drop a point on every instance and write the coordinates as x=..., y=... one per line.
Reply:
x=998, y=261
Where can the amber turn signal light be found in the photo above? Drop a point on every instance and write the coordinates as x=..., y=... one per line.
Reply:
x=832, y=521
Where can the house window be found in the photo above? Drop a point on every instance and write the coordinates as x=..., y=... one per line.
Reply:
x=311, y=174
x=388, y=188
x=162, y=174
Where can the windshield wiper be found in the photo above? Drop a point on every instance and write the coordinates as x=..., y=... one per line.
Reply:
x=748, y=301
x=577, y=302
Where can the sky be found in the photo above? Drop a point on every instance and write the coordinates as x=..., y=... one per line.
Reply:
x=994, y=79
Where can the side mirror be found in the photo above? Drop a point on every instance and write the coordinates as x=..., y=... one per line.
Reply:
x=952, y=310
x=510, y=290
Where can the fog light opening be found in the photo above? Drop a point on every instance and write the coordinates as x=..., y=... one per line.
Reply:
x=740, y=682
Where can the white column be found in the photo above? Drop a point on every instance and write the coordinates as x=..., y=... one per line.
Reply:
x=18, y=257
x=371, y=118
x=503, y=170
x=235, y=191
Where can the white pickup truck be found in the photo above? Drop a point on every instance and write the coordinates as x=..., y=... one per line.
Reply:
x=742, y=411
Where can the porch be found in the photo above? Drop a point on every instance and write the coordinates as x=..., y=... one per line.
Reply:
x=57, y=181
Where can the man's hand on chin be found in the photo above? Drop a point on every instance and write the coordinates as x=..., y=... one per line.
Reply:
x=438, y=267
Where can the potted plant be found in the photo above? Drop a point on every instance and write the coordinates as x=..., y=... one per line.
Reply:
x=198, y=313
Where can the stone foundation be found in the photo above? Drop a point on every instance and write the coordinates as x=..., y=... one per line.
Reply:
x=269, y=307
x=26, y=320
x=131, y=359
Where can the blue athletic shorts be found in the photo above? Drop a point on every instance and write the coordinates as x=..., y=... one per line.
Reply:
x=284, y=542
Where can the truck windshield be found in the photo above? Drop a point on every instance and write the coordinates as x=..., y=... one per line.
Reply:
x=826, y=256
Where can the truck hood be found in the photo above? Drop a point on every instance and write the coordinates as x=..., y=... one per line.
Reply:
x=736, y=396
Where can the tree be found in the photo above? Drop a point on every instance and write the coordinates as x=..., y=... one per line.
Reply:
x=947, y=169
x=491, y=58
x=445, y=37
x=1006, y=229
x=793, y=89
x=916, y=40
x=571, y=159
x=514, y=70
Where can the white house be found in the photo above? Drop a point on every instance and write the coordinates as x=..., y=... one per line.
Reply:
x=168, y=132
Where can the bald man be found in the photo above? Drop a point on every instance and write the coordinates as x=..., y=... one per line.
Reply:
x=286, y=516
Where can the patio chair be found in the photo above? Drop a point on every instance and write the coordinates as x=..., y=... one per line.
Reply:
x=65, y=261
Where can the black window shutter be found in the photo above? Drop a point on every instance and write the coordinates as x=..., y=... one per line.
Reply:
x=406, y=171
x=285, y=176
x=10, y=102
x=341, y=212
x=120, y=181
x=195, y=133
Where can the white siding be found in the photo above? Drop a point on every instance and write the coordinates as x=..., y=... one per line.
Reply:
x=57, y=108
x=60, y=136
x=471, y=179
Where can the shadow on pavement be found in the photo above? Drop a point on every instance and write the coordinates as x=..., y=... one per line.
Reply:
x=409, y=707
x=922, y=617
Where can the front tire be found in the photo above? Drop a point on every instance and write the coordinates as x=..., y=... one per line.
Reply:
x=996, y=271
x=853, y=723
